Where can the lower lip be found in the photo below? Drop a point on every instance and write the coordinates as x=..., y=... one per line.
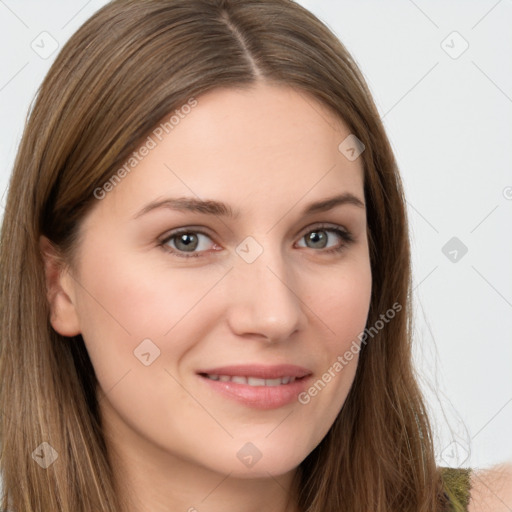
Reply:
x=260, y=397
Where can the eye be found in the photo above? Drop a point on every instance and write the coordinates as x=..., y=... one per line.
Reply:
x=191, y=242
x=185, y=241
x=319, y=238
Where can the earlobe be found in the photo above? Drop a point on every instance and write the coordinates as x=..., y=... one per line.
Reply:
x=59, y=291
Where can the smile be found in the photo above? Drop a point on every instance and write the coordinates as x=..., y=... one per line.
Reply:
x=257, y=386
x=252, y=381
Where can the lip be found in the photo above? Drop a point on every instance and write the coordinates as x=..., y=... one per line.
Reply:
x=259, y=397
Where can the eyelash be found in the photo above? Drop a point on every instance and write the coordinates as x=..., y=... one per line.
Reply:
x=345, y=235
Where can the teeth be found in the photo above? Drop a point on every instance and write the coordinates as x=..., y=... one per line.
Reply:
x=271, y=382
x=252, y=381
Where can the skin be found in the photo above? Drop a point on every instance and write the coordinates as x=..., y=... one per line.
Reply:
x=268, y=152
x=491, y=489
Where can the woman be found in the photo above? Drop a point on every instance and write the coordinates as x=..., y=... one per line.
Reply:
x=206, y=218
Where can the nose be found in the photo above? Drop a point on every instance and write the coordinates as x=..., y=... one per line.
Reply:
x=264, y=298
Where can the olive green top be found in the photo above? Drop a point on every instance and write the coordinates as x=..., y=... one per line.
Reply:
x=457, y=487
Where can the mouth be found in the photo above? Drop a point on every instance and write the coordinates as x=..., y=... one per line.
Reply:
x=252, y=381
x=256, y=386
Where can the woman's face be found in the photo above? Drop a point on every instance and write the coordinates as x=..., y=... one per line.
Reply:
x=243, y=279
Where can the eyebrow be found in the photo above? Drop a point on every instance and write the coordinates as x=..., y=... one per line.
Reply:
x=211, y=207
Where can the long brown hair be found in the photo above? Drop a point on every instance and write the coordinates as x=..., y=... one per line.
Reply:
x=125, y=69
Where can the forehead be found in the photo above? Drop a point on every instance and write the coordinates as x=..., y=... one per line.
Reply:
x=265, y=145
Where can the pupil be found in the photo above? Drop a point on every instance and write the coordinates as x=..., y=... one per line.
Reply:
x=187, y=240
x=316, y=236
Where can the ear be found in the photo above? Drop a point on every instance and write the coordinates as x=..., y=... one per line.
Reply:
x=60, y=288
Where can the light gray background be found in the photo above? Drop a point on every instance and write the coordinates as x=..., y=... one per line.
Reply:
x=448, y=114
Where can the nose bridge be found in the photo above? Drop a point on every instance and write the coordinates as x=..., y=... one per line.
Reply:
x=264, y=299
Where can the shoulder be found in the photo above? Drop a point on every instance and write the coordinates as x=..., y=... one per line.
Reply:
x=491, y=489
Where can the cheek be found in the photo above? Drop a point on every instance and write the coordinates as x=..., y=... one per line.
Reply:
x=346, y=308
x=343, y=303
x=140, y=296
x=133, y=313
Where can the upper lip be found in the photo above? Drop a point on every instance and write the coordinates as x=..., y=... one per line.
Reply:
x=260, y=371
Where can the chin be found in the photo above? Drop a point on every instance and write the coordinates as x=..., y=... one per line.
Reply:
x=271, y=460
x=272, y=468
